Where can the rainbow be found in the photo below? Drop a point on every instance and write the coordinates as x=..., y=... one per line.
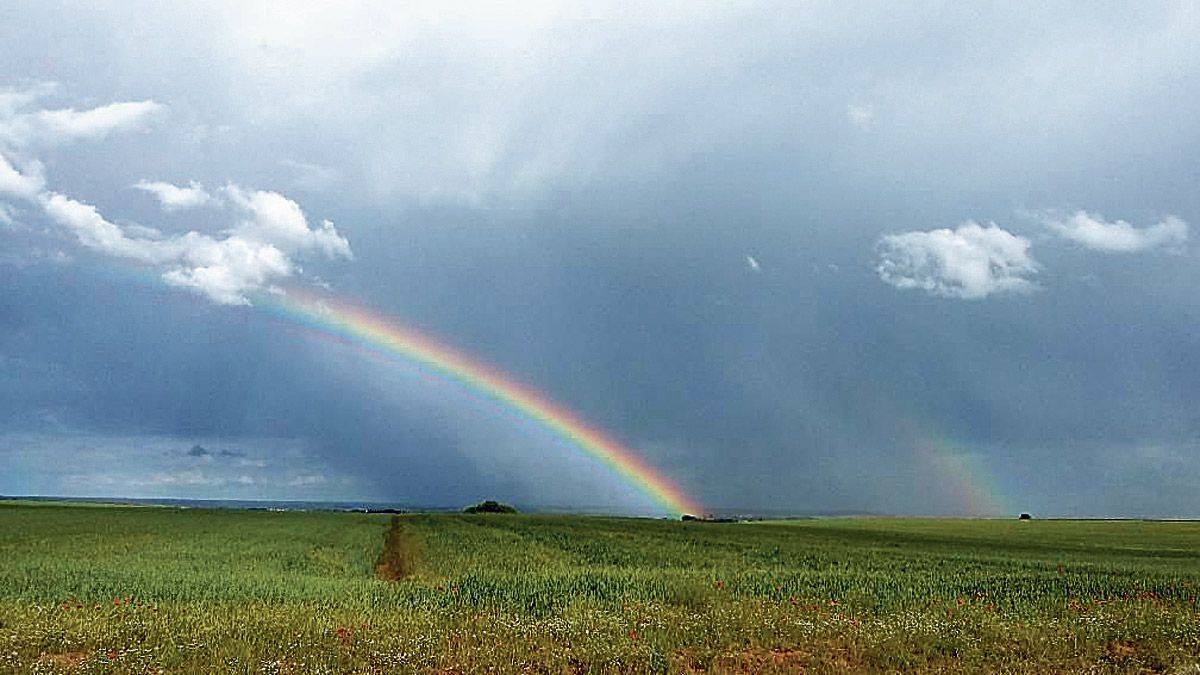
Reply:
x=368, y=330
x=962, y=475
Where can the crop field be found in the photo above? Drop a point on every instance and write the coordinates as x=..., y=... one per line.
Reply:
x=95, y=589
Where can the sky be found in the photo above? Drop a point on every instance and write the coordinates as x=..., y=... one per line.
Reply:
x=796, y=257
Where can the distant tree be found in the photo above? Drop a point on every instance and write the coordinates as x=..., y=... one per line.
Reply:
x=1024, y=516
x=490, y=506
x=688, y=517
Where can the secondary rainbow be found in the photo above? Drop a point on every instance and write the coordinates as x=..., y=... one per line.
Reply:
x=962, y=475
x=375, y=333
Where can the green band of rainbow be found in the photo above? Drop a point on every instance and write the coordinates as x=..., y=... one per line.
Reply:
x=369, y=330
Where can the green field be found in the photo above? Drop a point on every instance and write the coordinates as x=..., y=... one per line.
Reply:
x=133, y=590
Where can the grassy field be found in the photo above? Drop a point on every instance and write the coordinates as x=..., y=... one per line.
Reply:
x=134, y=590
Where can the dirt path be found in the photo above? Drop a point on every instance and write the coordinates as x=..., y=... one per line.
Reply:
x=398, y=559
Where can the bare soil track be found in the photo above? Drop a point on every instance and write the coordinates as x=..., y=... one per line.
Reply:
x=398, y=559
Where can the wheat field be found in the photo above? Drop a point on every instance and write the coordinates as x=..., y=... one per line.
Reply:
x=95, y=589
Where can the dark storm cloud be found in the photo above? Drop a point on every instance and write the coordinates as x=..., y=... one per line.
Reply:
x=573, y=196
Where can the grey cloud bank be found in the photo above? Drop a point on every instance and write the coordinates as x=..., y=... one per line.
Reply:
x=781, y=249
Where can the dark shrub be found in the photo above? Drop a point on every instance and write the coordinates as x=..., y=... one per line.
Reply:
x=490, y=506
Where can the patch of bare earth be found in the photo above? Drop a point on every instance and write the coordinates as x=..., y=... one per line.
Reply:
x=398, y=559
x=779, y=660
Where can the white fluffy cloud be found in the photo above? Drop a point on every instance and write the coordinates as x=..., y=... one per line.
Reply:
x=969, y=262
x=94, y=232
x=70, y=124
x=1093, y=232
x=175, y=197
x=227, y=270
x=249, y=257
x=277, y=219
x=22, y=128
x=23, y=184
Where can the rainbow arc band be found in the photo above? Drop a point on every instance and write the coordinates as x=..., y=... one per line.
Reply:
x=372, y=331
x=961, y=473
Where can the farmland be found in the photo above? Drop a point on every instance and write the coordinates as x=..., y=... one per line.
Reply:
x=130, y=590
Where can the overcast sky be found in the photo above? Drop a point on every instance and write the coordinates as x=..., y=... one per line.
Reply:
x=806, y=257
